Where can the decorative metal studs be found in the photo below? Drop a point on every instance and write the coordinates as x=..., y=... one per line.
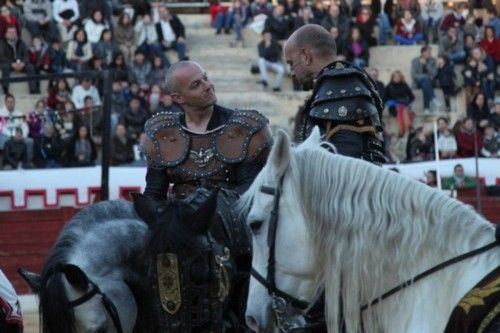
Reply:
x=342, y=111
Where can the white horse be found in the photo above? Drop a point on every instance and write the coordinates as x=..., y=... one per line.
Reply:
x=356, y=230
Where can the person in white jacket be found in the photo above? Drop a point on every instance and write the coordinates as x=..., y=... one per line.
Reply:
x=94, y=27
x=145, y=34
x=84, y=89
x=10, y=119
x=447, y=145
x=66, y=14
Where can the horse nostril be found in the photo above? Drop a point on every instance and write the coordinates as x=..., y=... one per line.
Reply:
x=252, y=323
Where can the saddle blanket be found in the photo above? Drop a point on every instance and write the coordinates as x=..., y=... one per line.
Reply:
x=479, y=309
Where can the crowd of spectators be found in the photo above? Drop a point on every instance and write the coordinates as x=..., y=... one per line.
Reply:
x=65, y=126
x=132, y=37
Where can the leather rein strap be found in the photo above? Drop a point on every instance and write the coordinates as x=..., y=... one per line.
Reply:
x=108, y=304
x=437, y=268
x=270, y=281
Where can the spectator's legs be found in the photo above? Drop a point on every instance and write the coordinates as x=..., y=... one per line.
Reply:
x=488, y=87
x=219, y=21
x=385, y=28
x=263, y=71
x=6, y=69
x=181, y=49
x=403, y=40
x=156, y=48
x=33, y=27
x=360, y=62
x=425, y=28
x=229, y=20
x=417, y=38
x=426, y=85
x=29, y=148
x=34, y=86
x=3, y=139
x=279, y=69
x=458, y=56
x=435, y=30
x=238, y=25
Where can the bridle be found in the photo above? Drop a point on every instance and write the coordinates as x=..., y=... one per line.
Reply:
x=108, y=304
x=280, y=299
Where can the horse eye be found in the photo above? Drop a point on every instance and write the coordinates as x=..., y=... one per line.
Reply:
x=255, y=226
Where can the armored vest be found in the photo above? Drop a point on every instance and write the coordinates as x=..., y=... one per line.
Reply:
x=344, y=98
x=194, y=159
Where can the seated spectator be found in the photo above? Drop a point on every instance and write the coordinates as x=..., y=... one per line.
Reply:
x=59, y=93
x=478, y=110
x=119, y=68
x=14, y=58
x=38, y=15
x=379, y=85
x=395, y=151
x=356, y=49
x=125, y=36
x=11, y=118
x=492, y=20
x=407, y=31
x=454, y=19
x=452, y=45
x=140, y=69
x=350, y=8
x=88, y=8
x=7, y=20
x=270, y=58
x=421, y=146
x=340, y=43
x=79, y=51
x=15, y=153
x=494, y=118
x=278, y=25
x=158, y=73
x=318, y=10
x=447, y=145
x=37, y=118
x=146, y=37
x=458, y=180
x=66, y=14
x=56, y=57
x=217, y=13
x=165, y=104
x=261, y=7
x=82, y=151
x=335, y=19
x=471, y=27
x=49, y=149
x=475, y=73
x=469, y=45
x=153, y=97
x=94, y=26
x=37, y=57
x=431, y=178
x=423, y=71
x=491, y=47
x=106, y=48
x=491, y=143
x=442, y=125
x=398, y=98
x=412, y=5
x=134, y=118
x=445, y=79
x=306, y=18
x=171, y=33
x=431, y=14
x=84, y=89
x=122, y=147
x=366, y=24
x=468, y=138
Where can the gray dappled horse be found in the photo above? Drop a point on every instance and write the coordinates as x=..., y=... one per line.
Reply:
x=96, y=278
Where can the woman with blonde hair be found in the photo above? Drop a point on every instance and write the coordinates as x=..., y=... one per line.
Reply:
x=398, y=99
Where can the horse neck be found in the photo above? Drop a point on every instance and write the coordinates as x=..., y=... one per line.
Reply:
x=374, y=232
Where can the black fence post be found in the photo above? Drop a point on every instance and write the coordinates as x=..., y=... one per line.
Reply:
x=106, y=135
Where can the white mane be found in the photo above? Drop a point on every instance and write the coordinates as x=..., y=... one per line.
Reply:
x=368, y=223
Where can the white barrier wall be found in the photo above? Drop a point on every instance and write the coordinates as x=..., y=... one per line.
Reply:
x=51, y=188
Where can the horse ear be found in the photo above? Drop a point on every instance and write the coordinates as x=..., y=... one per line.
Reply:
x=145, y=207
x=279, y=158
x=204, y=215
x=76, y=277
x=314, y=138
x=34, y=280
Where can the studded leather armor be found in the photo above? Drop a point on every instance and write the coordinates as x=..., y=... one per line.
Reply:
x=213, y=158
x=347, y=108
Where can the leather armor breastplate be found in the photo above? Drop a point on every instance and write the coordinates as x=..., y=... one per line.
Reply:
x=195, y=159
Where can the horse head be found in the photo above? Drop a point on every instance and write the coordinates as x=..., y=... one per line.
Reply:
x=71, y=302
x=184, y=260
x=279, y=250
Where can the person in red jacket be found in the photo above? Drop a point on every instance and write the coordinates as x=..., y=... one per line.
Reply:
x=491, y=46
x=408, y=30
x=468, y=138
x=7, y=20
